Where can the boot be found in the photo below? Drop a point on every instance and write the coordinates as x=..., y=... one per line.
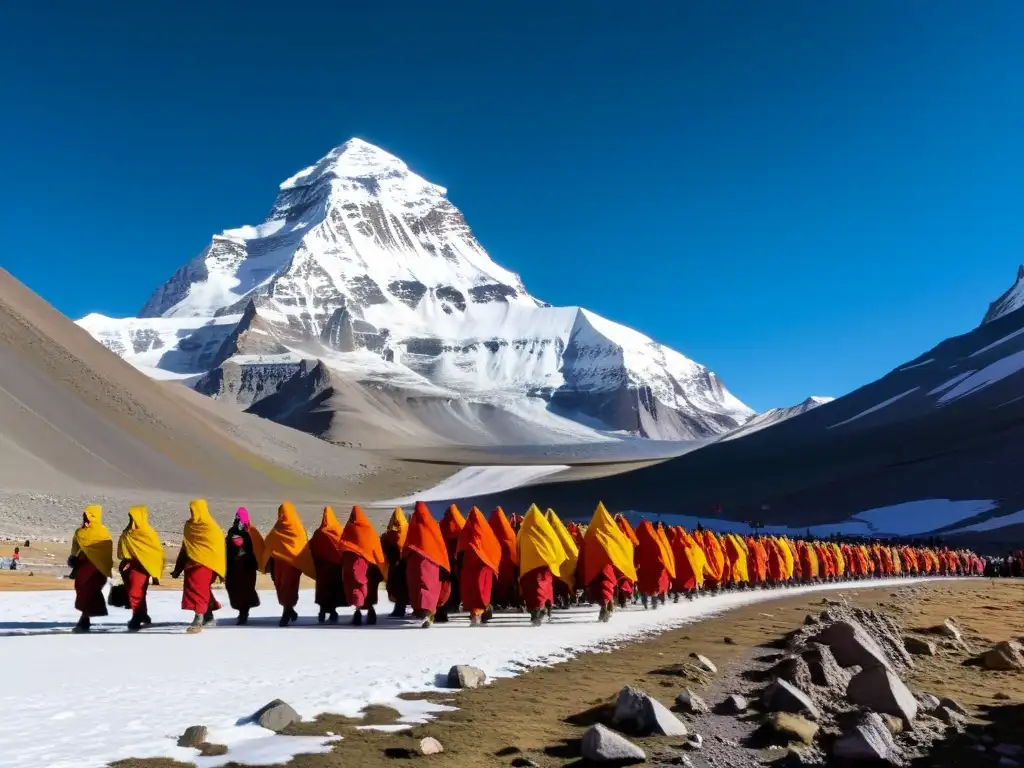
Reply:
x=145, y=620
x=292, y=615
x=608, y=610
x=286, y=618
x=209, y=620
x=82, y=626
x=135, y=624
x=603, y=615
x=333, y=618
x=398, y=612
x=549, y=611
x=535, y=618
x=643, y=599
x=441, y=617
x=428, y=622
x=196, y=626
x=321, y=617
x=243, y=617
x=357, y=618
x=371, y=616
x=487, y=615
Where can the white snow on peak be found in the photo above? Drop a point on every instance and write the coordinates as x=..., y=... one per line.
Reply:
x=819, y=399
x=1009, y=302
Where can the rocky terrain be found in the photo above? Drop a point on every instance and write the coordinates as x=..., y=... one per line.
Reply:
x=366, y=289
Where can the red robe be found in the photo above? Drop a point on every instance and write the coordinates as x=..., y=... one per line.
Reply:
x=197, y=592
x=601, y=589
x=361, y=580
x=136, y=582
x=286, y=583
x=423, y=578
x=652, y=575
x=538, y=588
x=89, y=584
x=476, y=582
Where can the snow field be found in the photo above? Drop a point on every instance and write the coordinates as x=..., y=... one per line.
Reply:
x=82, y=701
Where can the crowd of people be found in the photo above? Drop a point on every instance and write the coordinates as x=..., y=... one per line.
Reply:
x=530, y=562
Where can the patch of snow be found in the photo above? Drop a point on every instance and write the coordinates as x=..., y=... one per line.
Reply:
x=952, y=382
x=135, y=694
x=994, y=523
x=480, y=481
x=995, y=344
x=990, y=374
x=918, y=365
x=874, y=408
x=922, y=516
x=820, y=399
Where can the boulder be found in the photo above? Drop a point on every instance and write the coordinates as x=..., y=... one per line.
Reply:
x=430, y=746
x=954, y=705
x=694, y=742
x=852, y=645
x=787, y=728
x=928, y=702
x=639, y=713
x=1007, y=656
x=948, y=628
x=734, y=704
x=688, y=701
x=212, y=750
x=824, y=670
x=463, y=676
x=601, y=745
x=524, y=762
x=193, y=736
x=704, y=663
x=781, y=696
x=276, y=716
x=919, y=646
x=868, y=740
x=893, y=723
x=879, y=689
x=950, y=717
x=810, y=620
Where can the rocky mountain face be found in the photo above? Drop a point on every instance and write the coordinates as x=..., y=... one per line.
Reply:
x=776, y=416
x=1009, y=302
x=369, y=269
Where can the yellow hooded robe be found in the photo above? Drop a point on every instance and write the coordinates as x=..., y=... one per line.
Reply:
x=204, y=540
x=94, y=540
x=139, y=542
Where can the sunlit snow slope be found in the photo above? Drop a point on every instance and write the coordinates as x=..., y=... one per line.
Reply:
x=369, y=268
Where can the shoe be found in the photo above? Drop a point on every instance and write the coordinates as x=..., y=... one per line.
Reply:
x=607, y=611
x=441, y=617
x=82, y=626
x=397, y=613
x=333, y=618
x=209, y=620
x=135, y=624
x=243, y=618
x=321, y=617
x=286, y=618
x=603, y=615
x=535, y=618
x=549, y=611
x=196, y=626
x=357, y=618
x=487, y=615
x=292, y=615
x=371, y=616
x=428, y=622
x=146, y=621
x=644, y=601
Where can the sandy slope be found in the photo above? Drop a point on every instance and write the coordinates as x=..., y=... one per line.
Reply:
x=77, y=423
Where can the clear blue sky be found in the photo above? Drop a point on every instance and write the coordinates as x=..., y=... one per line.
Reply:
x=800, y=195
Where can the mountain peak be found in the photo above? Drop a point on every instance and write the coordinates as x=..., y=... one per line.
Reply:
x=1009, y=302
x=355, y=159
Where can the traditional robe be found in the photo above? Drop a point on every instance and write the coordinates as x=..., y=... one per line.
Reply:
x=92, y=561
x=506, y=588
x=736, y=556
x=325, y=549
x=607, y=558
x=142, y=558
x=451, y=526
x=480, y=554
x=690, y=562
x=565, y=578
x=203, y=558
x=286, y=555
x=244, y=543
x=776, y=561
x=653, y=575
x=626, y=586
x=392, y=543
x=362, y=563
x=714, y=557
x=758, y=561
x=541, y=556
x=426, y=558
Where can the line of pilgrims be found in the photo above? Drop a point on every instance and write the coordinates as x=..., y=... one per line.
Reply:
x=532, y=562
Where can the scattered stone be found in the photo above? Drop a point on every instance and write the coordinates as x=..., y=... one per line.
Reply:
x=892, y=723
x=637, y=712
x=950, y=717
x=703, y=662
x=694, y=742
x=1006, y=656
x=826, y=617
x=276, y=716
x=522, y=762
x=601, y=745
x=954, y=705
x=789, y=727
x=212, y=750
x=868, y=740
x=810, y=620
x=824, y=669
x=193, y=736
x=688, y=701
x=948, y=628
x=430, y=746
x=1001, y=696
x=852, y=646
x=463, y=676
x=729, y=641
x=928, y=702
x=879, y=689
x=1009, y=750
x=782, y=696
x=734, y=704
x=919, y=647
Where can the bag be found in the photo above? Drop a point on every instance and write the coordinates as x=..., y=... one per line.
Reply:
x=118, y=597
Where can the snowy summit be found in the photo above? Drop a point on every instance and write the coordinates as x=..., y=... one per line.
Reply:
x=367, y=269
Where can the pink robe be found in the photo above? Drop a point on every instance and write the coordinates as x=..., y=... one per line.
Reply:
x=361, y=580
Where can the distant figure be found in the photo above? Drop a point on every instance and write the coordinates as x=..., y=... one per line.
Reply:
x=91, y=563
x=363, y=566
x=142, y=560
x=244, y=545
x=16, y=558
x=202, y=560
x=541, y=556
x=392, y=543
x=286, y=557
x=506, y=587
x=480, y=554
x=654, y=574
x=607, y=560
x=427, y=566
x=451, y=526
x=325, y=547
x=565, y=579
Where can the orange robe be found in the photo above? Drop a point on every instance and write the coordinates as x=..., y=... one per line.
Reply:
x=481, y=562
x=757, y=564
x=652, y=568
x=428, y=567
x=508, y=572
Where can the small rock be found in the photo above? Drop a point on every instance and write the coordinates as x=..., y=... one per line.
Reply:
x=879, y=689
x=919, y=646
x=430, y=746
x=694, y=741
x=949, y=629
x=1001, y=696
x=852, y=645
x=1009, y=750
x=729, y=641
x=789, y=727
x=688, y=701
x=824, y=669
x=212, y=750
x=950, y=717
x=781, y=696
x=704, y=663
x=810, y=620
x=463, y=676
x=193, y=736
x=928, y=702
x=1006, y=656
x=826, y=617
x=868, y=740
x=601, y=745
x=892, y=723
x=954, y=705
x=734, y=704
x=637, y=712
x=523, y=762
x=276, y=716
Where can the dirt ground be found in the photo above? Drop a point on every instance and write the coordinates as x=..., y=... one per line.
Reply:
x=542, y=714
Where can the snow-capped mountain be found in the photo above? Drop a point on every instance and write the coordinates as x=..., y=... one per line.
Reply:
x=1009, y=302
x=776, y=415
x=369, y=268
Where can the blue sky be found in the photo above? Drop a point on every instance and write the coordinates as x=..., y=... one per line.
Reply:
x=800, y=195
